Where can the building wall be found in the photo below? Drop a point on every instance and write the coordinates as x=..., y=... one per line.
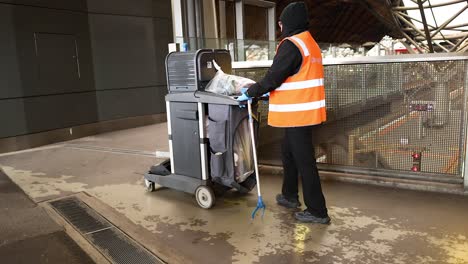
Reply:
x=68, y=63
x=210, y=19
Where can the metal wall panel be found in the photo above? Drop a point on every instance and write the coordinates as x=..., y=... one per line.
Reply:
x=12, y=118
x=162, y=9
x=123, y=51
x=59, y=111
x=122, y=103
x=10, y=82
x=58, y=66
x=121, y=7
x=75, y=5
x=31, y=22
x=162, y=36
x=50, y=60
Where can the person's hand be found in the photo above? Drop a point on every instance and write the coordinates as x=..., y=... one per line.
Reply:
x=243, y=97
x=244, y=90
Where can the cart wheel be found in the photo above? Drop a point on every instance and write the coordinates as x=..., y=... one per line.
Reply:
x=205, y=197
x=149, y=186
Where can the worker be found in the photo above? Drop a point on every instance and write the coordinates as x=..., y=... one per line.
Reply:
x=297, y=102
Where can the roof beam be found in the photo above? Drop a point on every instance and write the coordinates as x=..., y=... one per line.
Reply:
x=404, y=8
x=450, y=20
x=411, y=18
x=426, y=29
x=418, y=46
x=440, y=37
x=454, y=48
x=409, y=24
x=456, y=26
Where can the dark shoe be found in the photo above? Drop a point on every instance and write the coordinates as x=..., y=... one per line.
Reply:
x=288, y=203
x=307, y=217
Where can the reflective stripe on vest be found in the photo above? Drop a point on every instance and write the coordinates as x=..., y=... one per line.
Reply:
x=302, y=44
x=300, y=85
x=300, y=100
x=297, y=107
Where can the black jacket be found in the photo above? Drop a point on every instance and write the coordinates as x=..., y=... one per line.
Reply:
x=287, y=62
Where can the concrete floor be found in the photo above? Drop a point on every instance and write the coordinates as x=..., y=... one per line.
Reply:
x=369, y=224
x=29, y=235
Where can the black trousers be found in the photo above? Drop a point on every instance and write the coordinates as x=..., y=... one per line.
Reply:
x=298, y=158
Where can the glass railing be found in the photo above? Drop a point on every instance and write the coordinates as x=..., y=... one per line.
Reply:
x=241, y=50
x=263, y=50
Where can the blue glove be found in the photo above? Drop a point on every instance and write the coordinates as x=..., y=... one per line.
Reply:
x=243, y=90
x=243, y=97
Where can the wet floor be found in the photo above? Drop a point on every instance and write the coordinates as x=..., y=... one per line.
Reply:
x=369, y=224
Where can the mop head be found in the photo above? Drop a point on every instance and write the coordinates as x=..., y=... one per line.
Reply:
x=260, y=205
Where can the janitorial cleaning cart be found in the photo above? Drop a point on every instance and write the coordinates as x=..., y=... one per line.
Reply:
x=209, y=141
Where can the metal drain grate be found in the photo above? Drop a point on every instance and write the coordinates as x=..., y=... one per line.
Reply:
x=81, y=216
x=109, y=240
x=120, y=248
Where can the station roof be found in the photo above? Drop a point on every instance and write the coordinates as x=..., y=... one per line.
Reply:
x=349, y=21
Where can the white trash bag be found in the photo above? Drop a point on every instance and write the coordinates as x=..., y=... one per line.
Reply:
x=227, y=84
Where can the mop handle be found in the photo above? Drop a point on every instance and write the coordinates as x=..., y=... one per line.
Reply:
x=254, y=147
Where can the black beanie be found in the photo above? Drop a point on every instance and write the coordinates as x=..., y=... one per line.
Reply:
x=294, y=18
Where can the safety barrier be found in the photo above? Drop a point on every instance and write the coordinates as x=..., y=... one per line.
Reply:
x=401, y=116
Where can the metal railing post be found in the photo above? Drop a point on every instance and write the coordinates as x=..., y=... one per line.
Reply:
x=464, y=146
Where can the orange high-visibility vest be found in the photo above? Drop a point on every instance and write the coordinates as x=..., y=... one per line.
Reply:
x=300, y=100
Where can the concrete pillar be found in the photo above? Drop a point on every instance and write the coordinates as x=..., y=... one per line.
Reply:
x=211, y=24
x=177, y=21
x=191, y=24
x=199, y=22
x=442, y=101
x=240, y=30
x=271, y=31
x=222, y=19
x=187, y=18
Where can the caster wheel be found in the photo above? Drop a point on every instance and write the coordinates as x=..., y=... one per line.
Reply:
x=205, y=197
x=149, y=186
